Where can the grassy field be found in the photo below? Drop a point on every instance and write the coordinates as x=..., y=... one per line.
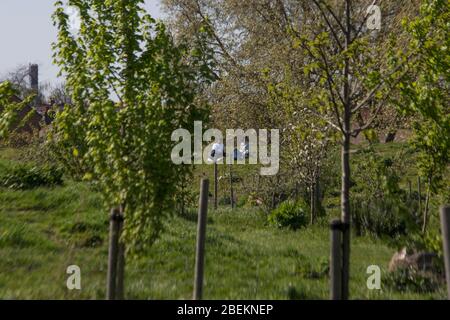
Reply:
x=44, y=230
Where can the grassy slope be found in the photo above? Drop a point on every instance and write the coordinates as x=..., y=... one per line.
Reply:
x=43, y=231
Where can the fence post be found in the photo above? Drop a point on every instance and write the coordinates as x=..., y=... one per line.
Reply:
x=201, y=231
x=312, y=197
x=215, y=185
x=410, y=191
x=120, y=261
x=231, y=188
x=114, y=225
x=336, y=260
x=345, y=260
x=445, y=226
x=420, y=195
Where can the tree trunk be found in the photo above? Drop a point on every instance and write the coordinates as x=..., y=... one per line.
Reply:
x=317, y=193
x=345, y=163
x=120, y=287
x=312, y=194
x=419, y=190
x=427, y=204
x=345, y=212
x=273, y=200
x=410, y=190
x=120, y=295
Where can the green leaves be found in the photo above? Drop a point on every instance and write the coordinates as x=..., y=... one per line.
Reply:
x=132, y=86
x=9, y=109
x=425, y=91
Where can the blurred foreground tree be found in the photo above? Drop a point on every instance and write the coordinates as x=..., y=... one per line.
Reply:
x=131, y=86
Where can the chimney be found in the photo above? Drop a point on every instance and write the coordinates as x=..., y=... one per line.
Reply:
x=34, y=77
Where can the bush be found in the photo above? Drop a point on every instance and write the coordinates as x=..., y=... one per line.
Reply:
x=289, y=214
x=378, y=206
x=380, y=217
x=28, y=177
x=429, y=242
x=410, y=279
x=224, y=201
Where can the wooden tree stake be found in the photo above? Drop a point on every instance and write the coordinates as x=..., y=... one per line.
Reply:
x=201, y=235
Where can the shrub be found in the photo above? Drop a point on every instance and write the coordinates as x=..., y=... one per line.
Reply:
x=28, y=177
x=17, y=139
x=410, y=279
x=289, y=214
x=224, y=201
x=378, y=206
x=429, y=242
x=185, y=197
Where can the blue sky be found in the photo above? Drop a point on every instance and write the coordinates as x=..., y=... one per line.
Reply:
x=26, y=34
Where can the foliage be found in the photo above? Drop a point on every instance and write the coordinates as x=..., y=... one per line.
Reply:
x=23, y=176
x=185, y=197
x=289, y=214
x=380, y=217
x=17, y=139
x=376, y=176
x=249, y=200
x=39, y=151
x=9, y=109
x=378, y=208
x=18, y=78
x=131, y=86
x=428, y=242
x=410, y=279
x=425, y=88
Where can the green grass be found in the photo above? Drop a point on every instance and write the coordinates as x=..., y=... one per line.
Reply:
x=44, y=230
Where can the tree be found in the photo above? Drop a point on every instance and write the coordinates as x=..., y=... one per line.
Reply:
x=58, y=95
x=340, y=69
x=19, y=77
x=350, y=81
x=11, y=107
x=305, y=139
x=425, y=92
x=131, y=86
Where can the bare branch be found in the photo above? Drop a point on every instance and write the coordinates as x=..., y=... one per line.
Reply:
x=333, y=32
